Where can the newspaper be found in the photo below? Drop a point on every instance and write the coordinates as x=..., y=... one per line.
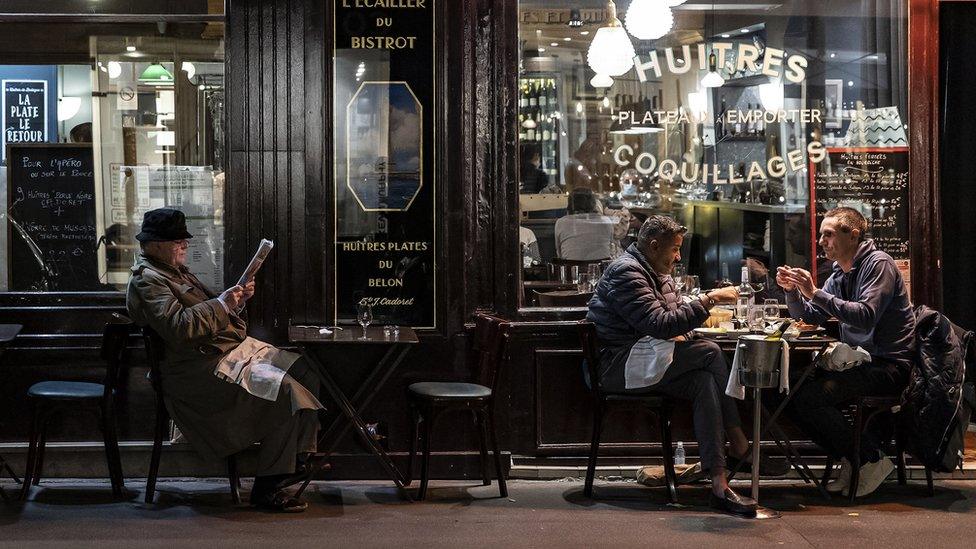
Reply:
x=264, y=248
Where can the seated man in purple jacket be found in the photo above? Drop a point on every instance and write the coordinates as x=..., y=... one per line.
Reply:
x=867, y=295
x=642, y=324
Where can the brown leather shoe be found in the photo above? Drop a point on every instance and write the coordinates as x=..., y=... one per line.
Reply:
x=734, y=503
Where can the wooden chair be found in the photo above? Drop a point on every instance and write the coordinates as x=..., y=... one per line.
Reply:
x=50, y=399
x=659, y=405
x=428, y=400
x=562, y=298
x=154, y=354
x=875, y=406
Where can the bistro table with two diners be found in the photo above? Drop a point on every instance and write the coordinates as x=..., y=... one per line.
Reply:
x=815, y=344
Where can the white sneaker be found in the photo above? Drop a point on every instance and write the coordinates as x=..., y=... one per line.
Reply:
x=843, y=479
x=873, y=474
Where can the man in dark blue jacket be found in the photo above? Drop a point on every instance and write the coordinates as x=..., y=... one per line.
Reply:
x=643, y=326
x=867, y=295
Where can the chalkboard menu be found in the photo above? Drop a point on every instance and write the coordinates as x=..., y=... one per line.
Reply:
x=873, y=181
x=52, y=235
x=24, y=111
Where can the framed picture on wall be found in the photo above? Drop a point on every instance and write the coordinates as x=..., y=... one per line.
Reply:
x=834, y=100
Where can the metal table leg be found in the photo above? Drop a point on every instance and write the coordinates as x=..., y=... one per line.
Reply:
x=349, y=411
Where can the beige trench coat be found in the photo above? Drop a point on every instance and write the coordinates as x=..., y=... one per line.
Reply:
x=218, y=418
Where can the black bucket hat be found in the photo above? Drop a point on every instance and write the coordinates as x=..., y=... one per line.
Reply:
x=163, y=224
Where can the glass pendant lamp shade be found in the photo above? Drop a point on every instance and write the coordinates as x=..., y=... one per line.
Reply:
x=156, y=74
x=601, y=81
x=713, y=79
x=771, y=95
x=611, y=51
x=649, y=19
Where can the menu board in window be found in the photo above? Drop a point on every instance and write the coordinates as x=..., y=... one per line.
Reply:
x=51, y=218
x=873, y=181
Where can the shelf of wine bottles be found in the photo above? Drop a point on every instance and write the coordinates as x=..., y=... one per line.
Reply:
x=540, y=118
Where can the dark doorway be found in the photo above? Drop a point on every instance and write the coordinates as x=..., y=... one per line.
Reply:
x=957, y=162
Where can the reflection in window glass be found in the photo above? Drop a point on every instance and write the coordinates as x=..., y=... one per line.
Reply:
x=726, y=117
x=138, y=127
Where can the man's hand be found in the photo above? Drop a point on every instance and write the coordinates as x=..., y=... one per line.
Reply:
x=233, y=297
x=782, y=278
x=729, y=294
x=248, y=290
x=803, y=281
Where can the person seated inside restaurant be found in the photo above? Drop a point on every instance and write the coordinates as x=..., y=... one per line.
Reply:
x=644, y=326
x=759, y=274
x=534, y=178
x=584, y=233
x=224, y=390
x=867, y=295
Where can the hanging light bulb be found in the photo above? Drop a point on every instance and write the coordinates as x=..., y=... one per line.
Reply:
x=713, y=79
x=649, y=19
x=601, y=81
x=611, y=51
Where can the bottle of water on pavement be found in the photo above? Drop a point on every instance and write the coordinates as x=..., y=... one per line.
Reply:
x=679, y=454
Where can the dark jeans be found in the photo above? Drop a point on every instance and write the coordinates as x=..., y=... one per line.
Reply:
x=699, y=372
x=814, y=408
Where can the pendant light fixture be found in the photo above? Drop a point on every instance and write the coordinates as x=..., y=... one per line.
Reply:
x=156, y=75
x=611, y=52
x=601, y=81
x=713, y=79
x=649, y=19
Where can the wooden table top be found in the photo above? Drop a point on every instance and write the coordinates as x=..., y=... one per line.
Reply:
x=350, y=335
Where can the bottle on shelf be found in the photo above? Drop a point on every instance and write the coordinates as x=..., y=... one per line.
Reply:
x=750, y=124
x=720, y=128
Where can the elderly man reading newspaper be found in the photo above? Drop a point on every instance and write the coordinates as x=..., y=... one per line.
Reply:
x=224, y=390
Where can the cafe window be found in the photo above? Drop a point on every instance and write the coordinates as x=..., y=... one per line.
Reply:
x=102, y=122
x=744, y=122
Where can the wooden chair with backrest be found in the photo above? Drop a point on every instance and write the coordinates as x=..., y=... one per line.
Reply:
x=51, y=399
x=659, y=405
x=428, y=400
x=154, y=354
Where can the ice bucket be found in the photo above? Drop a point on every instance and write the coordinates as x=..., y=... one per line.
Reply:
x=759, y=360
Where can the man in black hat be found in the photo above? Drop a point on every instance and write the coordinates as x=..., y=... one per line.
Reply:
x=224, y=390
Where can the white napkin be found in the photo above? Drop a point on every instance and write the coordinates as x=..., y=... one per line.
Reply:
x=735, y=389
x=649, y=358
x=841, y=356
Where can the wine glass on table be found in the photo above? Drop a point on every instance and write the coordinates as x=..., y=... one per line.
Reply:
x=364, y=315
x=693, y=285
x=771, y=309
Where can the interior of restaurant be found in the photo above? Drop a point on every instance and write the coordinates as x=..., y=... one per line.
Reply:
x=716, y=114
x=142, y=103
